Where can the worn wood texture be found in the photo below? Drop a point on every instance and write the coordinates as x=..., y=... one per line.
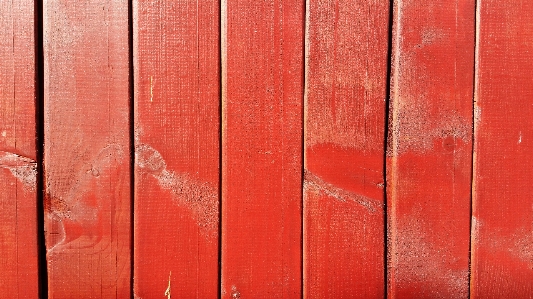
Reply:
x=18, y=171
x=177, y=104
x=86, y=154
x=430, y=149
x=346, y=81
x=262, y=78
x=502, y=222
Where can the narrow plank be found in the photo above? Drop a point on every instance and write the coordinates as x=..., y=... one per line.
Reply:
x=86, y=155
x=430, y=149
x=262, y=80
x=346, y=82
x=502, y=222
x=177, y=103
x=18, y=168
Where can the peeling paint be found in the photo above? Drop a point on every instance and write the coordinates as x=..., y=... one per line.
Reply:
x=168, y=291
x=314, y=183
x=22, y=168
x=235, y=294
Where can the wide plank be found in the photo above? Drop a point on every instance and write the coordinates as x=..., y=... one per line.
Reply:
x=18, y=166
x=177, y=132
x=345, y=92
x=87, y=148
x=502, y=222
x=262, y=103
x=429, y=153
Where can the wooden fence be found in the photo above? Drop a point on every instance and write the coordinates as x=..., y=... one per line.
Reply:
x=266, y=149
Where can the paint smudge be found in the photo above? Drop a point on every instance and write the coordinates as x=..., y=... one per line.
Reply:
x=314, y=183
x=199, y=197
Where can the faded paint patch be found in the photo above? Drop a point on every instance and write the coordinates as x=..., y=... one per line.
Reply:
x=432, y=35
x=313, y=183
x=477, y=114
x=75, y=200
x=199, y=197
x=415, y=130
x=518, y=244
x=523, y=246
x=418, y=263
x=22, y=168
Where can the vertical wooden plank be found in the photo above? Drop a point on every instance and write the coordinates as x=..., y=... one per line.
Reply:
x=502, y=223
x=430, y=148
x=262, y=79
x=346, y=82
x=177, y=103
x=18, y=169
x=86, y=158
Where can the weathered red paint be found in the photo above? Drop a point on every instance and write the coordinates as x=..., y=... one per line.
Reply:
x=429, y=149
x=502, y=222
x=18, y=168
x=177, y=103
x=87, y=152
x=262, y=64
x=346, y=81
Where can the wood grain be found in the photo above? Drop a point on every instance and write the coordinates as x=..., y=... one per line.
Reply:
x=346, y=81
x=86, y=155
x=18, y=168
x=502, y=222
x=262, y=80
x=430, y=148
x=177, y=104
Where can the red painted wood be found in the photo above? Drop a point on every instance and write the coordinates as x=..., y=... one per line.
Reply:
x=502, y=222
x=177, y=103
x=346, y=81
x=86, y=159
x=262, y=63
x=18, y=169
x=429, y=151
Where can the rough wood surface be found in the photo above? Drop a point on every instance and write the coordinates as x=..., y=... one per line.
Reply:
x=262, y=63
x=18, y=168
x=430, y=148
x=87, y=151
x=346, y=81
x=502, y=222
x=177, y=103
